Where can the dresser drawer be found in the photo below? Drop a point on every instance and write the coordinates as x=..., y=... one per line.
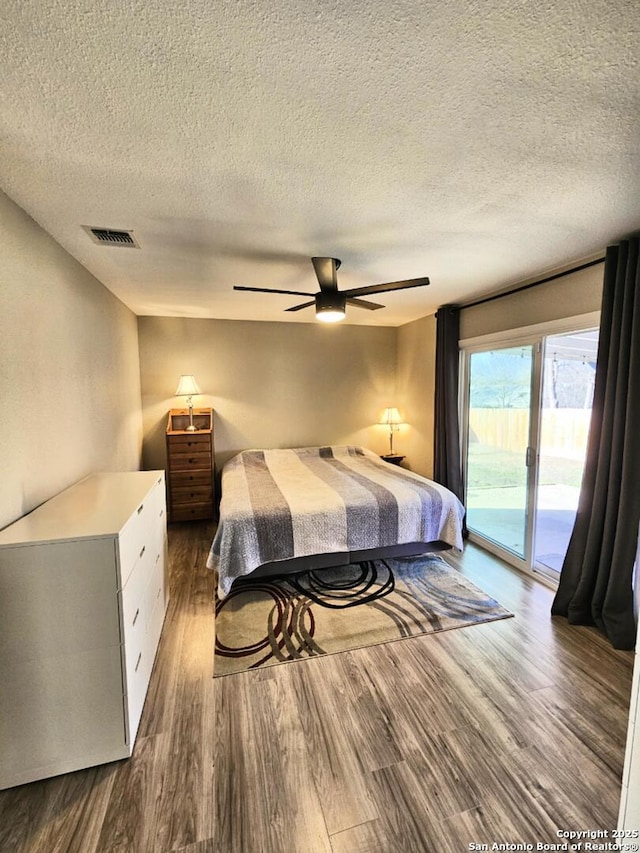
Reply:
x=138, y=674
x=140, y=649
x=190, y=461
x=184, y=479
x=156, y=601
x=134, y=651
x=186, y=444
x=192, y=512
x=133, y=599
x=140, y=533
x=157, y=502
x=134, y=546
x=195, y=494
x=157, y=618
x=140, y=644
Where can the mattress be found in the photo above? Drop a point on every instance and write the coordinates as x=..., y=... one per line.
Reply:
x=281, y=504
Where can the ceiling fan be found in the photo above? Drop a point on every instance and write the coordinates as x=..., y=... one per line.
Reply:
x=329, y=301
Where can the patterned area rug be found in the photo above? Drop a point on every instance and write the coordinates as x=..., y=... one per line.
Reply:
x=275, y=620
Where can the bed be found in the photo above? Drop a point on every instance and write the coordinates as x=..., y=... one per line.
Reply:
x=316, y=507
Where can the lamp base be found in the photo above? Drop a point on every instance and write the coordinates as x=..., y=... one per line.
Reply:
x=191, y=427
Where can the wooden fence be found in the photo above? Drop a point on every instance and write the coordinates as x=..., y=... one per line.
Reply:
x=564, y=431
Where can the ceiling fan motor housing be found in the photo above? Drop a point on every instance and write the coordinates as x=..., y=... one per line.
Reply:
x=330, y=300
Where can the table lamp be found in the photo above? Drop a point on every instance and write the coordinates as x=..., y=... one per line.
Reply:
x=391, y=418
x=187, y=387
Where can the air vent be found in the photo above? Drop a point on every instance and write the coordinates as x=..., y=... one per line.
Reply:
x=112, y=237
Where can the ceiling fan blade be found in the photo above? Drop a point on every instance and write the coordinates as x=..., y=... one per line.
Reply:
x=300, y=307
x=326, y=272
x=362, y=303
x=390, y=285
x=270, y=290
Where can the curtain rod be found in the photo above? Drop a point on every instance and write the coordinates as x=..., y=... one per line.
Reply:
x=532, y=284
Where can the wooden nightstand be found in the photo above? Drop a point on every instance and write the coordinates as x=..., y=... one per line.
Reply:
x=392, y=458
x=190, y=466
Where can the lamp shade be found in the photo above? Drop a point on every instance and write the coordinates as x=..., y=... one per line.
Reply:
x=391, y=416
x=187, y=386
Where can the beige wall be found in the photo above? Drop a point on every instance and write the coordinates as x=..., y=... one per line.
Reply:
x=574, y=294
x=283, y=385
x=70, y=375
x=270, y=384
x=416, y=385
x=69, y=371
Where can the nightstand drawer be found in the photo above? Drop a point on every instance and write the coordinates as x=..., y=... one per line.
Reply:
x=191, y=512
x=189, y=461
x=185, y=444
x=194, y=494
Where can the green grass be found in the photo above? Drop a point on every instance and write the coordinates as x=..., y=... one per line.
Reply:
x=489, y=467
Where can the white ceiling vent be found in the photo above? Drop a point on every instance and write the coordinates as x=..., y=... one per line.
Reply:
x=112, y=237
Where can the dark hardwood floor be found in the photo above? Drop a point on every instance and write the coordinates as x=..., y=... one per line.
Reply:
x=500, y=732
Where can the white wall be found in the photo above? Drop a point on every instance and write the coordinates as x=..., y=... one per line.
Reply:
x=270, y=384
x=69, y=370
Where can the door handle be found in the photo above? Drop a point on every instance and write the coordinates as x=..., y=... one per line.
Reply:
x=530, y=457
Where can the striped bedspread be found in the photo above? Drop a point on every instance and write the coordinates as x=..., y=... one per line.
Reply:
x=278, y=504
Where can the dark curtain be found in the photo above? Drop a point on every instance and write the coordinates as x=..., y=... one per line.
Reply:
x=447, y=468
x=596, y=582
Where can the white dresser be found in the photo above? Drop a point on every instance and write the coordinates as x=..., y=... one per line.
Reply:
x=83, y=594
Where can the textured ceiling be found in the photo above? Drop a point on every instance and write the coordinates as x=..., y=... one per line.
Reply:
x=479, y=143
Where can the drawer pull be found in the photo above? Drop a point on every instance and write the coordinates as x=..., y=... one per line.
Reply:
x=157, y=557
x=135, y=618
x=158, y=593
x=161, y=513
x=138, y=662
x=144, y=548
x=140, y=508
x=191, y=461
x=159, y=479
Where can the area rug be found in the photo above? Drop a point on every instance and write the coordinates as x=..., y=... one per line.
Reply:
x=269, y=621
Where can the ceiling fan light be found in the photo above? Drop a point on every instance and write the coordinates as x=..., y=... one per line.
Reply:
x=330, y=316
x=330, y=306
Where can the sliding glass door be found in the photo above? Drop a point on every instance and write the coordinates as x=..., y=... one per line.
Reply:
x=569, y=369
x=499, y=418
x=526, y=415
